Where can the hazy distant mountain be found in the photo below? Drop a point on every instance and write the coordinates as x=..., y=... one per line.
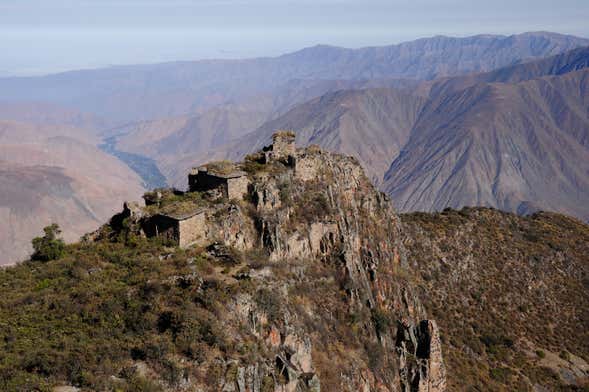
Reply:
x=516, y=146
x=50, y=114
x=131, y=93
x=175, y=142
x=55, y=174
x=520, y=146
x=553, y=65
x=180, y=141
x=370, y=124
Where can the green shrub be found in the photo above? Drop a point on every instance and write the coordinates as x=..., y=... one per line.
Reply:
x=269, y=303
x=284, y=191
x=138, y=383
x=50, y=246
x=495, y=342
x=375, y=354
x=501, y=374
x=381, y=320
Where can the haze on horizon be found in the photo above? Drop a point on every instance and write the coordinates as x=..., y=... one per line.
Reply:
x=40, y=37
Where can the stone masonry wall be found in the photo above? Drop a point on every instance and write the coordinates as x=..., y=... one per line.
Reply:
x=202, y=182
x=237, y=187
x=162, y=227
x=192, y=230
x=283, y=144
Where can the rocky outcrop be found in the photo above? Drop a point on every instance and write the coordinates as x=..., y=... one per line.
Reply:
x=421, y=346
x=312, y=210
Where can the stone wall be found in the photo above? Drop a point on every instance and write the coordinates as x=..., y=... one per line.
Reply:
x=191, y=230
x=237, y=187
x=307, y=166
x=203, y=181
x=283, y=144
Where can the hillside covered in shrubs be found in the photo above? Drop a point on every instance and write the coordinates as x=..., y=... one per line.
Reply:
x=301, y=284
x=308, y=282
x=510, y=294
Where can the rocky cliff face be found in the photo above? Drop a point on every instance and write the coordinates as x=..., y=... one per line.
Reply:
x=338, y=308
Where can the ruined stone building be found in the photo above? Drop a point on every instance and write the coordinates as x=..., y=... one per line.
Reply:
x=282, y=147
x=181, y=229
x=232, y=185
x=178, y=219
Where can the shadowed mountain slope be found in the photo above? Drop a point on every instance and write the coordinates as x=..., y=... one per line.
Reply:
x=518, y=147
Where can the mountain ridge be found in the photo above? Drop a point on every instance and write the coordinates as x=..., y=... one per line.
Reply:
x=537, y=97
x=300, y=275
x=539, y=123
x=250, y=280
x=122, y=94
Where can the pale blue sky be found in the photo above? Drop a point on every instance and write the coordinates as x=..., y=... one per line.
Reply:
x=42, y=36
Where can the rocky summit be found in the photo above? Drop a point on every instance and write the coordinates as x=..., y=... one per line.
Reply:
x=290, y=272
x=326, y=306
x=284, y=272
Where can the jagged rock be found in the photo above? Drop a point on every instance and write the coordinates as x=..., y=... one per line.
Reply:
x=421, y=365
x=266, y=196
x=235, y=229
x=307, y=206
x=436, y=373
x=221, y=252
x=133, y=210
x=273, y=338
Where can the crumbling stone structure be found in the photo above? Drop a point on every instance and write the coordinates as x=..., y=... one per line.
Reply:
x=157, y=195
x=221, y=179
x=282, y=148
x=306, y=205
x=181, y=229
x=232, y=185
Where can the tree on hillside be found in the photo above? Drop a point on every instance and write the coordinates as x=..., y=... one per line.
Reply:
x=50, y=246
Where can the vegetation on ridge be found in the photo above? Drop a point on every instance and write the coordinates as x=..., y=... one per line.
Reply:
x=126, y=313
x=510, y=294
x=50, y=246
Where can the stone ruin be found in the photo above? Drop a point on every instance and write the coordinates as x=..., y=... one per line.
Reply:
x=219, y=180
x=282, y=147
x=231, y=184
x=182, y=229
x=415, y=343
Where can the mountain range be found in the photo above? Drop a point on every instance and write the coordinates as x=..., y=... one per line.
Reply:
x=139, y=92
x=513, y=138
x=517, y=146
x=495, y=120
